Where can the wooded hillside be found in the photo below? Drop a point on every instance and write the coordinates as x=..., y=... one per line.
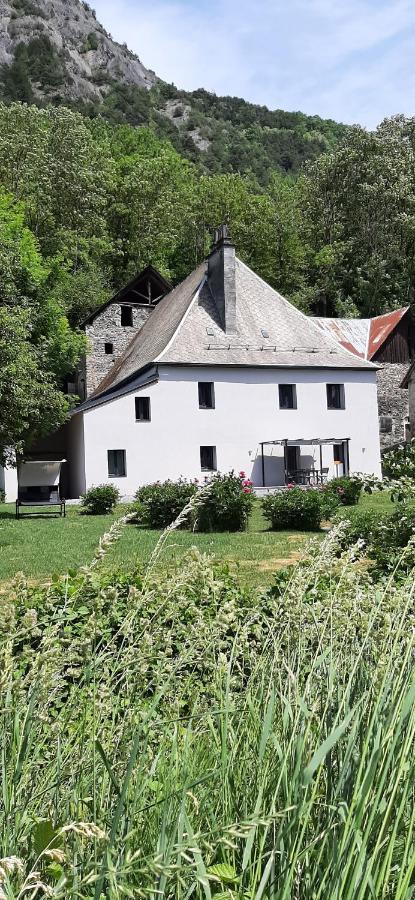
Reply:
x=84, y=205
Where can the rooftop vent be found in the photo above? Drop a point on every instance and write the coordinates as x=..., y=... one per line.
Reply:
x=265, y=333
x=210, y=332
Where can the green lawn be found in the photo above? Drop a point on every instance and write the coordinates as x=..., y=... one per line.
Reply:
x=43, y=547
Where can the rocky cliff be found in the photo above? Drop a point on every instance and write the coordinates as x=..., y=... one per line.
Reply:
x=56, y=49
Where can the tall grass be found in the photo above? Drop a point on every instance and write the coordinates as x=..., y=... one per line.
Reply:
x=193, y=751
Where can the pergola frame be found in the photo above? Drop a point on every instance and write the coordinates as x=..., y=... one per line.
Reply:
x=305, y=442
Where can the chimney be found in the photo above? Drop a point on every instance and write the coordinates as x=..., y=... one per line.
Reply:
x=221, y=278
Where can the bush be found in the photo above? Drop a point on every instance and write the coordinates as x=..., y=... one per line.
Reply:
x=293, y=508
x=346, y=489
x=159, y=504
x=100, y=500
x=228, y=505
x=385, y=536
x=2, y=497
x=399, y=463
x=329, y=502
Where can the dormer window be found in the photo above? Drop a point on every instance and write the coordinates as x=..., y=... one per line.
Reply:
x=126, y=316
x=109, y=348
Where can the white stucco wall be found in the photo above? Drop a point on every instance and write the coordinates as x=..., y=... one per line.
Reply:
x=8, y=483
x=246, y=413
x=76, y=456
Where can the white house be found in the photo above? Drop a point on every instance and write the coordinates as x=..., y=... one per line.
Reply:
x=226, y=374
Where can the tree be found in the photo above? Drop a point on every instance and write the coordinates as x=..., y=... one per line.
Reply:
x=37, y=345
x=359, y=220
x=31, y=405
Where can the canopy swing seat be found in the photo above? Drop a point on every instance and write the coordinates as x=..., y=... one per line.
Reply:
x=39, y=487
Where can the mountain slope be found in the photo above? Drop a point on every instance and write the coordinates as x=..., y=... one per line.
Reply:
x=55, y=51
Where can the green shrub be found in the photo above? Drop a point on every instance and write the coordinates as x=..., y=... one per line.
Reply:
x=346, y=489
x=293, y=508
x=329, y=502
x=399, y=463
x=228, y=505
x=100, y=500
x=159, y=504
x=2, y=497
x=385, y=536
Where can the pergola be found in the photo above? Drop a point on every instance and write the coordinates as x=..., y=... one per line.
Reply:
x=305, y=442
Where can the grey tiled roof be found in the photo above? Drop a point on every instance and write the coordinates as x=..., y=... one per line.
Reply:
x=185, y=328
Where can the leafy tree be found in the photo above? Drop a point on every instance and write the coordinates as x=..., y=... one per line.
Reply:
x=359, y=220
x=31, y=405
x=37, y=345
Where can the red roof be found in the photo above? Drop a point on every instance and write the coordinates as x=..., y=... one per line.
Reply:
x=380, y=329
x=363, y=337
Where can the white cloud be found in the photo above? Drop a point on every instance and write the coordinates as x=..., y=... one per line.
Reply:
x=347, y=59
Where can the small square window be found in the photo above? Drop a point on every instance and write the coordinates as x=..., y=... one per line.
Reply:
x=109, y=348
x=208, y=459
x=142, y=409
x=206, y=395
x=116, y=463
x=335, y=396
x=287, y=396
x=126, y=316
x=385, y=424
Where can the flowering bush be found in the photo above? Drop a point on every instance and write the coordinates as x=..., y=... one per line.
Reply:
x=294, y=508
x=159, y=504
x=400, y=463
x=347, y=490
x=228, y=505
x=100, y=500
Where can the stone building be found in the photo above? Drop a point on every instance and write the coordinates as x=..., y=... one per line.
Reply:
x=111, y=327
x=389, y=342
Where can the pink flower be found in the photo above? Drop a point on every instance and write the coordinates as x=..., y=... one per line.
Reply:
x=291, y=485
x=247, y=490
x=242, y=475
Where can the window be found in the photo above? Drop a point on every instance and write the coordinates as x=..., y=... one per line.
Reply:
x=109, y=348
x=208, y=459
x=335, y=396
x=385, y=424
x=206, y=395
x=116, y=463
x=126, y=316
x=142, y=409
x=288, y=396
x=338, y=453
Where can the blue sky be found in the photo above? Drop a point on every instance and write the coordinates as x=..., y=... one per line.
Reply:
x=350, y=60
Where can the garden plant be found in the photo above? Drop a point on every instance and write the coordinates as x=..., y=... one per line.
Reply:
x=171, y=735
x=100, y=500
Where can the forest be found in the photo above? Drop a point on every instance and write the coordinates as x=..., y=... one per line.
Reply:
x=85, y=204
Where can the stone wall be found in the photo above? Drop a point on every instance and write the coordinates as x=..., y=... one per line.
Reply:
x=393, y=403
x=107, y=328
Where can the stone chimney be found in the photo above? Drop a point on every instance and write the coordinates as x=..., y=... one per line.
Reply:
x=221, y=278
